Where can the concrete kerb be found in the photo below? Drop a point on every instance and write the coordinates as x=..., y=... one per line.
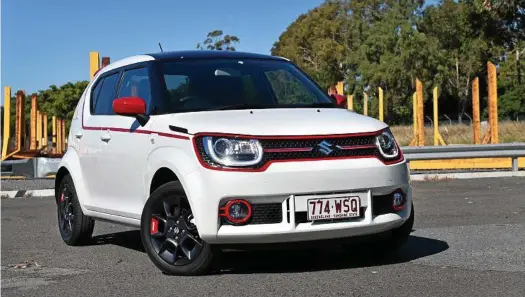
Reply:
x=413, y=177
x=28, y=193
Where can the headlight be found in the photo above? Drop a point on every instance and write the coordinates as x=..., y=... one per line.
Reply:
x=233, y=152
x=387, y=145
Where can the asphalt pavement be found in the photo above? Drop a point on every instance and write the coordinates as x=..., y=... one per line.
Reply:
x=469, y=240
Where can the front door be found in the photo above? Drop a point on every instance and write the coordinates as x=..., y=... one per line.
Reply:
x=125, y=149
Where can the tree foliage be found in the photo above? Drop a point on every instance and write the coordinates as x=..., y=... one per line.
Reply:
x=390, y=43
x=216, y=41
x=54, y=101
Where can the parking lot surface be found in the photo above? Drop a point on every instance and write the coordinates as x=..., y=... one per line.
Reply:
x=469, y=240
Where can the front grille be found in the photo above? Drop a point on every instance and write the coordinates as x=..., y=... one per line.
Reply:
x=267, y=213
x=271, y=213
x=316, y=152
x=275, y=149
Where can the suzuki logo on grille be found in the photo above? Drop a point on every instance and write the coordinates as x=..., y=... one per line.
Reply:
x=325, y=147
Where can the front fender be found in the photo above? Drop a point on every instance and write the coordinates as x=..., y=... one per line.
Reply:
x=71, y=162
x=178, y=160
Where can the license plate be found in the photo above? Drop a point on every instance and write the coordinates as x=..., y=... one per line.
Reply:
x=333, y=208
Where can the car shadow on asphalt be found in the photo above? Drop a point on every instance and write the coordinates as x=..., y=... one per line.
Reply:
x=126, y=239
x=328, y=258
x=298, y=258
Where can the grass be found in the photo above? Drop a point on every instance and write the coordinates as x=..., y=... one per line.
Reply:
x=461, y=134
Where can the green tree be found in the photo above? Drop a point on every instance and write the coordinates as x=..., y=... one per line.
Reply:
x=368, y=44
x=390, y=53
x=510, y=18
x=216, y=41
x=315, y=41
x=61, y=101
x=467, y=40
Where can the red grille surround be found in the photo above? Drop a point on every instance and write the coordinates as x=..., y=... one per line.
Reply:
x=301, y=149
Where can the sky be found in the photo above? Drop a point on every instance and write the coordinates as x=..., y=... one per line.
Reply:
x=48, y=42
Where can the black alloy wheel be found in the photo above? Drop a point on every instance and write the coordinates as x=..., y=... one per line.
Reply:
x=173, y=234
x=169, y=234
x=75, y=227
x=66, y=212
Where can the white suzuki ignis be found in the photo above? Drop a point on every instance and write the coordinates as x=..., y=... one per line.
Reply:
x=207, y=149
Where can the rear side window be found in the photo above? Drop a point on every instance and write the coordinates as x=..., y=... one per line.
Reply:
x=94, y=95
x=135, y=83
x=104, y=102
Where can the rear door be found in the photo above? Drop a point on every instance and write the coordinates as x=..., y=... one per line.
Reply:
x=126, y=147
x=85, y=135
x=93, y=125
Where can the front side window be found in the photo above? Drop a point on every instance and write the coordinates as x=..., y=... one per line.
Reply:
x=214, y=84
x=135, y=83
x=104, y=102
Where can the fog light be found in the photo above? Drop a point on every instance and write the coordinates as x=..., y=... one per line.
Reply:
x=237, y=211
x=398, y=200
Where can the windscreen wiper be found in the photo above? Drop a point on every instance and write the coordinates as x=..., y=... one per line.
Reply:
x=319, y=104
x=244, y=106
x=262, y=106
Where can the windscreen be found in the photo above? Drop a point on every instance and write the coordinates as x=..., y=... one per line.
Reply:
x=211, y=84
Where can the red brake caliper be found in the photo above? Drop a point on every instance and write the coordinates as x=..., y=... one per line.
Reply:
x=62, y=198
x=154, y=226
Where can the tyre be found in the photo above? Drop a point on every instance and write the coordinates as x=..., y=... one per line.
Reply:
x=386, y=242
x=399, y=235
x=75, y=228
x=169, y=235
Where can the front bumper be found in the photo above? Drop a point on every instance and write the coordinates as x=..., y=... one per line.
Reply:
x=287, y=185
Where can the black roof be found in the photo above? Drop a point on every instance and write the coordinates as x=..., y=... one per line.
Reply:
x=203, y=54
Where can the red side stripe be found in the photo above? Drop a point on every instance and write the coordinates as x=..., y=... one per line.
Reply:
x=125, y=130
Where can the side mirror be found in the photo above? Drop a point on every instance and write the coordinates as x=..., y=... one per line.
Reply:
x=131, y=106
x=339, y=100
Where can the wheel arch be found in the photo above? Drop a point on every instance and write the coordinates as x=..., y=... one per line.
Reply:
x=70, y=164
x=162, y=176
x=167, y=164
x=61, y=173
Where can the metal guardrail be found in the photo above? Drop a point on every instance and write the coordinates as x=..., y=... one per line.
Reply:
x=45, y=167
x=504, y=150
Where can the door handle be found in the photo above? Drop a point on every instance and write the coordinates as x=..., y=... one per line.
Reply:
x=105, y=137
x=78, y=134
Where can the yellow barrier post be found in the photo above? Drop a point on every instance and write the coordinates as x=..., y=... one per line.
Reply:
x=437, y=136
x=493, y=99
x=475, y=111
x=33, y=128
x=420, y=107
x=54, y=149
x=380, y=104
x=365, y=103
x=340, y=88
x=44, y=130
x=59, y=136
x=350, y=102
x=19, y=119
x=94, y=61
x=39, y=129
x=63, y=134
x=7, y=121
x=492, y=132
